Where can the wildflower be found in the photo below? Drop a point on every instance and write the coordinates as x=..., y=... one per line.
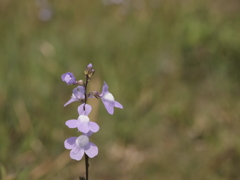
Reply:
x=82, y=123
x=79, y=146
x=77, y=95
x=69, y=78
x=108, y=100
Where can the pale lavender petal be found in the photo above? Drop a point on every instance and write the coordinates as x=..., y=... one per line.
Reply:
x=109, y=106
x=79, y=92
x=70, y=101
x=68, y=78
x=88, y=109
x=91, y=150
x=104, y=88
x=63, y=77
x=118, y=105
x=83, y=127
x=76, y=153
x=90, y=65
x=81, y=111
x=70, y=142
x=73, y=123
x=93, y=126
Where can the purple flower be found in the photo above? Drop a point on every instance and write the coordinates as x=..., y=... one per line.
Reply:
x=77, y=95
x=82, y=123
x=68, y=78
x=108, y=100
x=79, y=146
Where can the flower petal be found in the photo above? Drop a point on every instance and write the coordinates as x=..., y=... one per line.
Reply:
x=104, y=88
x=83, y=127
x=68, y=78
x=70, y=142
x=90, y=65
x=91, y=150
x=77, y=153
x=70, y=101
x=93, y=126
x=109, y=106
x=118, y=105
x=79, y=92
x=81, y=111
x=72, y=123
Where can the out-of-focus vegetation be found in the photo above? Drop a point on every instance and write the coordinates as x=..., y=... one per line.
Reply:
x=174, y=65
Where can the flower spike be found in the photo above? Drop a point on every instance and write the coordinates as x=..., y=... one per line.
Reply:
x=81, y=145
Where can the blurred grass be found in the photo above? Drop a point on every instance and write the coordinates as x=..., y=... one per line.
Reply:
x=174, y=65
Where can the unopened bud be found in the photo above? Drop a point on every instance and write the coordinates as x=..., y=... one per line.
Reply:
x=88, y=70
x=85, y=72
x=90, y=65
x=91, y=73
x=80, y=82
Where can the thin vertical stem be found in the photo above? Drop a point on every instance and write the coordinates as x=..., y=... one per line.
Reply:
x=86, y=156
x=86, y=165
x=85, y=94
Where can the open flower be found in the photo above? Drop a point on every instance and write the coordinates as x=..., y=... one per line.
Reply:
x=77, y=95
x=79, y=146
x=82, y=123
x=69, y=78
x=108, y=100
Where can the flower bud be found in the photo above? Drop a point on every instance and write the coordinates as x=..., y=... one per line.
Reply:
x=80, y=82
x=89, y=71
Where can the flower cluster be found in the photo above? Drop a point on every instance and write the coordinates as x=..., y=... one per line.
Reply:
x=81, y=144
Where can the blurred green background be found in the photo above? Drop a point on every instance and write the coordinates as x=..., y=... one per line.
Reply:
x=174, y=65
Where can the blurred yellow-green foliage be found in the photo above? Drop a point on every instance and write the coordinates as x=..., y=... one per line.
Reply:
x=173, y=64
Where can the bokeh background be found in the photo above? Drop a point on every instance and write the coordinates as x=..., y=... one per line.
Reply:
x=173, y=64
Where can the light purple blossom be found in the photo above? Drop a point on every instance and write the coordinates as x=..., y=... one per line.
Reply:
x=68, y=78
x=77, y=95
x=108, y=100
x=79, y=146
x=82, y=123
